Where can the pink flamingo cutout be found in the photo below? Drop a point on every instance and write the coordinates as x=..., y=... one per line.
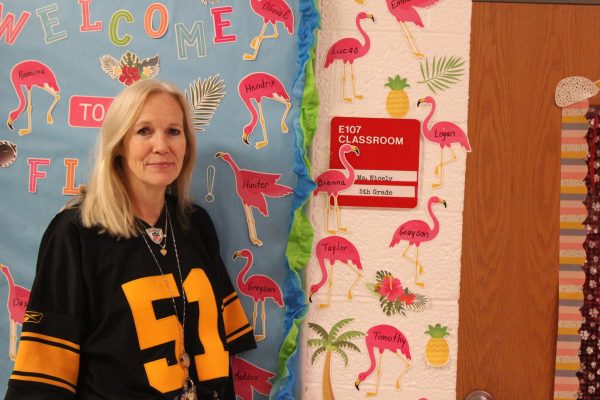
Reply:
x=333, y=182
x=328, y=251
x=259, y=287
x=347, y=50
x=247, y=376
x=31, y=73
x=416, y=232
x=384, y=337
x=252, y=187
x=18, y=297
x=405, y=11
x=271, y=12
x=443, y=133
x=257, y=86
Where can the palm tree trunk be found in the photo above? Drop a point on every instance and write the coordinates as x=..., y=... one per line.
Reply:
x=327, y=388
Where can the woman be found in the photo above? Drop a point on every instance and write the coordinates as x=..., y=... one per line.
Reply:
x=131, y=299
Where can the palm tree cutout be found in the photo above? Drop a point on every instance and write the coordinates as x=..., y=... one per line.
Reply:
x=258, y=86
x=248, y=377
x=417, y=231
x=30, y=73
x=332, y=182
x=444, y=134
x=384, y=337
x=252, y=187
x=259, y=288
x=271, y=12
x=347, y=50
x=329, y=343
x=329, y=250
x=16, y=303
x=204, y=97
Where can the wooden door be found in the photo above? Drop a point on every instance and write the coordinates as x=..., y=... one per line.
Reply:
x=508, y=303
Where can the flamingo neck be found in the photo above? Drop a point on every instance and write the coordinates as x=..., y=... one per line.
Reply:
x=234, y=167
x=436, y=223
x=349, y=168
x=426, y=129
x=14, y=114
x=367, y=44
x=370, y=349
x=324, y=276
x=241, y=278
x=9, y=278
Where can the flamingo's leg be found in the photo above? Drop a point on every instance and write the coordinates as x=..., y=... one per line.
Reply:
x=358, y=96
x=275, y=33
x=288, y=105
x=411, y=41
x=443, y=164
x=50, y=90
x=344, y=98
x=255, y=44
x=330, y=284
x=13, y=340
x=370, y=394
x=418, y=270
x=337, y=215
x=404, y=254
x=262, y=333
x=265, y=141
x=450, y=161
x=254, y=316
x=264, y=321
x=328, y=206
x=25, y=131
x=251, y=226
x=354, y=269
x=407, y=368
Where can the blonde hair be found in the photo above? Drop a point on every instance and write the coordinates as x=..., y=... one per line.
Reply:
x=105, y=202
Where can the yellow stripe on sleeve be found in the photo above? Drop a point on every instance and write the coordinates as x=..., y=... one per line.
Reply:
x=50, y=339
x=42, y=380
x=48, y=359
x=241, y=333
x=234, y=316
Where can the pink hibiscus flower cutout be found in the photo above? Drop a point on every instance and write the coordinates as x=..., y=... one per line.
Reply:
x=391, y=288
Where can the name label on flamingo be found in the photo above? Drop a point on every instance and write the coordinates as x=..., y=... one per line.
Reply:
x=261, y=289
x=395, y=338
x=285, y=14
x=384, y=166
x=263, y=84
x=397, y=3
x=444, y=135
x=244, y=377
x=255, y=184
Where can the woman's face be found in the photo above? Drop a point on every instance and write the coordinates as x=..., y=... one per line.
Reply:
x=154, y=148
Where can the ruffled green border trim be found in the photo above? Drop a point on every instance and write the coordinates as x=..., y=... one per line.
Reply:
x=298, y=251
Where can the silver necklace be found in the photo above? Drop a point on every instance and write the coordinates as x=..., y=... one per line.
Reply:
x=188, y=390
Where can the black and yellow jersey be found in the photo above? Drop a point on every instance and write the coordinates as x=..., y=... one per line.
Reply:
x=101, y=323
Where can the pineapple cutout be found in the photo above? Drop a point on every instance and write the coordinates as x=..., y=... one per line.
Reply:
x=437, y=352
x=397, y=99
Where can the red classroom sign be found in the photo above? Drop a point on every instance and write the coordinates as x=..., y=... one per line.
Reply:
x=387, y=169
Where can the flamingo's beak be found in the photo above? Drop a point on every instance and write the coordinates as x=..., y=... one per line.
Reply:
x=355, y=150
x=219, y=154
x=371, y=17
x=310, y=294
x=9, y=122
x=419, y=102
x=358, y=382
x=236, y=255
x=245, y=138
x=442, y=201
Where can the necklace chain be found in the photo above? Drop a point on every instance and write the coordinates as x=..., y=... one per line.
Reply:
x=168, y=224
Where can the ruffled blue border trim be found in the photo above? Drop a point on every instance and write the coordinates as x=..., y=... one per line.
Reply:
x=294, y=295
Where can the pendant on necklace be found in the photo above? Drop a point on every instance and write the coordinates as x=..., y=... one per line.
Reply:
x=163, y=251
x=184, y=360
x=188, y=391
x=155, y=234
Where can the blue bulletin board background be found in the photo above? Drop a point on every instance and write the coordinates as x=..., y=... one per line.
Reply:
x=51, y=33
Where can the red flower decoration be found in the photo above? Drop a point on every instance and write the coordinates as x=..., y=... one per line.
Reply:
x=129, y=75
x=391, y=288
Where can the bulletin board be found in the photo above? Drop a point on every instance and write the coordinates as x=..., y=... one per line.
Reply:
x=242, y=66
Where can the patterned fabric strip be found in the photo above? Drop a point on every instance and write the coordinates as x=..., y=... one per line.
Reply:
x=571, y=253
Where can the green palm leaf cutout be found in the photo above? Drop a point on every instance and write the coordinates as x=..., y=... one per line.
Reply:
x=316, y=342
x=346, y=345
x=317, y=354
x=336, y=328
x=204, y=97
x=419, y=303
x=130, y=59
x=443, y=72
x=350, y=335
x=319, y=330
x=342, y=354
